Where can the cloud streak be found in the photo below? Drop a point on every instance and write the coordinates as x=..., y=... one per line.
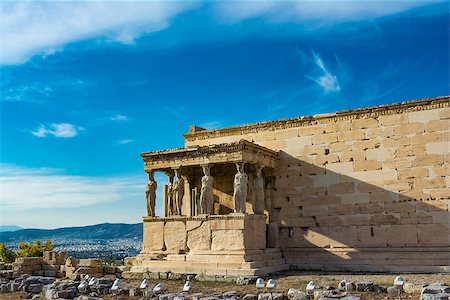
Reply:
x=119, y=118
x=327, y=81
x=30, y=28
x=31, y=188
x=125, y=141
x=45, y=27
x=315, y=13
x=59, y=130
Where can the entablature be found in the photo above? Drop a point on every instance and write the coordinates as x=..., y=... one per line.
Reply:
x=242, y=151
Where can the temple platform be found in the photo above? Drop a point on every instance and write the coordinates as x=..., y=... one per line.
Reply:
x=224, y=245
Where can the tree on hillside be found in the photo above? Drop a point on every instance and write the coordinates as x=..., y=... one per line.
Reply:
x=7, y=256
x=25, y=250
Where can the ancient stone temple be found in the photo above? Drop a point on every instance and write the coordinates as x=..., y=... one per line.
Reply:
x=362, y=190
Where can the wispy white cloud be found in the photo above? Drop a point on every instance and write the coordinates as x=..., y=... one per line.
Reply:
x=31, y=188
x=125, y=141
x=44, y=27
x=326, y=80
x=28, y=93
x=119, y=118
x=60, y=130
x=30, y=28
x=211, y=125
x=315, y=13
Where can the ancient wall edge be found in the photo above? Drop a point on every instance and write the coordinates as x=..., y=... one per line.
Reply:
x=360, y=113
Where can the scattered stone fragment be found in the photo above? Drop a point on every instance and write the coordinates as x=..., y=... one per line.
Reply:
x=250, y=297
x=196, y=296
x=364, y=286
x=34, y=288
x=435, y=291
x=244, y=280
x=265, y=296
x=294, y=294
x=229, y=294
x=379, y=289
x=277, y=296
x=169, y=296
x=350, y=286
x=394, y=289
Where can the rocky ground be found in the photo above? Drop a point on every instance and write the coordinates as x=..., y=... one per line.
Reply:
x=290, y=285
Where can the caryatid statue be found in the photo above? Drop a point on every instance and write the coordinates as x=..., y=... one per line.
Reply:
x=170, y=196
x=178, y=193
x=206, y=192
x=150, y=194
x=240, y=188
x=258, y=192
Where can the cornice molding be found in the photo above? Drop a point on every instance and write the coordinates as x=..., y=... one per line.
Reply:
x=360, y=113
x=204, y=151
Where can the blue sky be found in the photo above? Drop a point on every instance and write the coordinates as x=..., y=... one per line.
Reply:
x=87, y=86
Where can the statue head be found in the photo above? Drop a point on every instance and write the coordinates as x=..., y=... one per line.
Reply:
x=177, y=173
x=240, y=166
x=258, y=170
x=206, y=169
x=151, y=176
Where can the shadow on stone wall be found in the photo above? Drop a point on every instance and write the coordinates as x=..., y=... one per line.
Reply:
x=330, y=221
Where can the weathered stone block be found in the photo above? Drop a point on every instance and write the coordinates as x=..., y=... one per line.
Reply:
x=379, y=154
x=317, y=236
x=341, y=168
x=326, y=138
x=355, y=198
x=199, y=238
x=444, y=113
x=428, y=160
x=440, y=148
x=384, y=219
x=227, y=240
x=344, y=136
x=366, y=165
x=153, y=236
x=395, y=119
x=402, y=235
x=341, y=188
x=437, y=125
x=364, y=123
x=411, y=128
x=371, y=236
x=350, y=220
x=415, y=172
x=355, y=155
x=423, y=116
x=433, y=235
x=343, y=236
x=175, y=236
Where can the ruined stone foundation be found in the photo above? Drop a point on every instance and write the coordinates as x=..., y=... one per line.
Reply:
x=223, y=245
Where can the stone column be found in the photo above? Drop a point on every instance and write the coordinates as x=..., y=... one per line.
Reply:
x=150, y=194
x=258, y=200
x=270, y=183
x=206, y=192
x=240, y=188
x=187, y=202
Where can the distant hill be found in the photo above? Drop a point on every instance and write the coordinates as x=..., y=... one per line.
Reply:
x=6, y=228
x=104, y=231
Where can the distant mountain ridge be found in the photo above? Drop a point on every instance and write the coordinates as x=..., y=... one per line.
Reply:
x=103, y=231
x=5, y=228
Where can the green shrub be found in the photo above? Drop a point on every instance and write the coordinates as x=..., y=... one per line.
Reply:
x=7, y=256
x=25, y=250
